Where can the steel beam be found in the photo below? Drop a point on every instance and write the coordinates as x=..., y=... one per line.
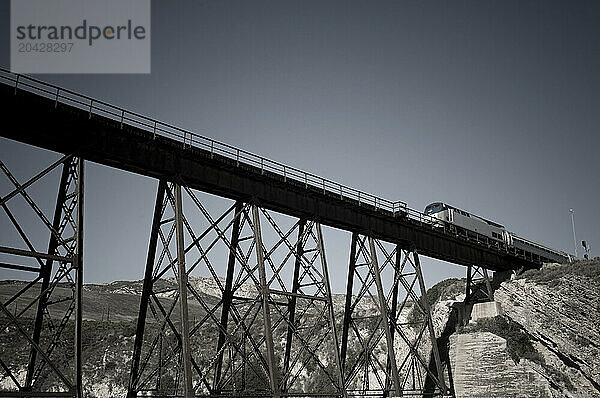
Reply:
x=20, y=267
x=469, y=283
x=425, y=304
x=227, y=293
x=188, y=390
x=146, y=289
x=32, y=254
x=79, y=281
x=394, y=308
x=264, y=288
x=331, y=314
x=488, y=285
x=385, y=318
x=348, y=303
x=293, y=299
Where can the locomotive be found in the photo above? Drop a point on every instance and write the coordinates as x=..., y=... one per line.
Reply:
x=471, y=225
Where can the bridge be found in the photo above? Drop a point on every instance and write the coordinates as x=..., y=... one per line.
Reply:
x=269, y=340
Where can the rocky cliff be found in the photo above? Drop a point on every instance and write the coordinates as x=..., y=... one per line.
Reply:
x=559, y=308
x=482, y=367
x=545, y=343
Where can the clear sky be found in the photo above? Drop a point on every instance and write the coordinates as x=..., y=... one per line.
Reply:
x=492, y=106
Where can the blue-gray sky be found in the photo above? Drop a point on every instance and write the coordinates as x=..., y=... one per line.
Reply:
x=491, y=106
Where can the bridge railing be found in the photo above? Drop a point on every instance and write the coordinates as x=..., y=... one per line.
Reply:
x=189, y=139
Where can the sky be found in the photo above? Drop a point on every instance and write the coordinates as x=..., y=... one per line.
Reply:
x=491, y=106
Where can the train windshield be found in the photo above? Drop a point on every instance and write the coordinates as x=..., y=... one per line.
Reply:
x=434, y=208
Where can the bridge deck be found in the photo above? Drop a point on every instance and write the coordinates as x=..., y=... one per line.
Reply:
x=66, y=122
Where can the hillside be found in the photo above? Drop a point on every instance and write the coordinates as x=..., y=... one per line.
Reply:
x=544, y=343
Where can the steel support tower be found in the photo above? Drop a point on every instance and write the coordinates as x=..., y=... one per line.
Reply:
x=46, y=314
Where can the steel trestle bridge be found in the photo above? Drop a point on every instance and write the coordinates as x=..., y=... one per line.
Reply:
x=273, y=337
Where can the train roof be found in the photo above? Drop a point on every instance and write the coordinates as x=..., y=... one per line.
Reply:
x=526, y=240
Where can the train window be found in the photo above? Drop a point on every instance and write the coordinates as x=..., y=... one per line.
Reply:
x=434, y=208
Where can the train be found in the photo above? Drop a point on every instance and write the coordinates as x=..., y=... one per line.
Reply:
x=473, y=226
